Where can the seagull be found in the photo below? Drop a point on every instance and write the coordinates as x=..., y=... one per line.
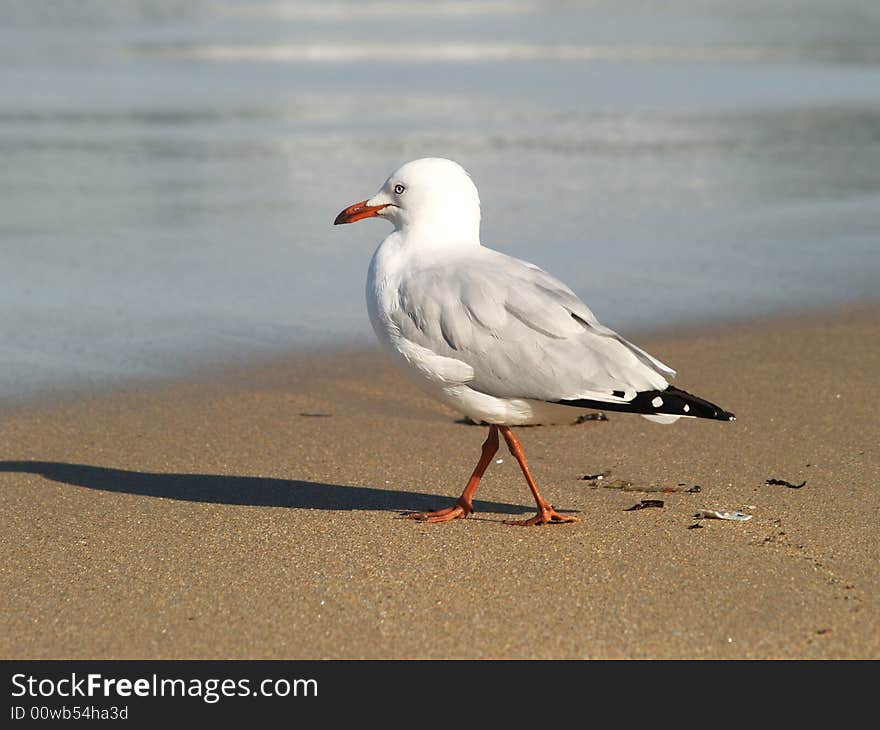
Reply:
x=494, y=337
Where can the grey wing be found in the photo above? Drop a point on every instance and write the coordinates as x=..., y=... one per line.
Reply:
x=524, y=333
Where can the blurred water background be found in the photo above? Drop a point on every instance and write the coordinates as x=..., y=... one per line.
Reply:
x=171, y=168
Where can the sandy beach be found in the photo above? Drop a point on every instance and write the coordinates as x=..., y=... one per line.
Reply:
x=253, y=513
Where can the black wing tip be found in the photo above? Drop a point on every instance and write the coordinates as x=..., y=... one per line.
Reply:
x=672, y=402
x=703, y=408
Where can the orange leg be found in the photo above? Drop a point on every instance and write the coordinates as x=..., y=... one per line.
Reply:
x=546, y=513
x=464, y=506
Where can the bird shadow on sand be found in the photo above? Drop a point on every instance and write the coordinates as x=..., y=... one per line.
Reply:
x=245, y=490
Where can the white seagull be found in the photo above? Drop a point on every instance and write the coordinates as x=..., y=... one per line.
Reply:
x=494, y=337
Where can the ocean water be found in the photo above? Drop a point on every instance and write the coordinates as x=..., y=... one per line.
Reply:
x=171, y=168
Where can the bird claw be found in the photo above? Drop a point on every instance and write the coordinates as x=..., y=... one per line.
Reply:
x=544, y=517
x=458, y=512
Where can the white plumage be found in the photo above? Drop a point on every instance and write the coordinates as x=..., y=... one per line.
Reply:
x=491, y=335
x=496, y=338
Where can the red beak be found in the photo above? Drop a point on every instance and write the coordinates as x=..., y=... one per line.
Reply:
x=357, y=212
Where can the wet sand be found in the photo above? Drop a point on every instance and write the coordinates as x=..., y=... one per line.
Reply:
x=253, y=514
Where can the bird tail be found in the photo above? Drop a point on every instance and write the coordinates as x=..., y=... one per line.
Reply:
x=669, y=402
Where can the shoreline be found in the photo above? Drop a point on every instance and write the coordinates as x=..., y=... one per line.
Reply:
x=250, y=512
x=230, y=367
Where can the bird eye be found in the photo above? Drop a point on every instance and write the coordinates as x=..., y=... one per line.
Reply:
x=398, y=189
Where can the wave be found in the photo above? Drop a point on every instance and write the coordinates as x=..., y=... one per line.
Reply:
x=387, y=9
x=459, y=52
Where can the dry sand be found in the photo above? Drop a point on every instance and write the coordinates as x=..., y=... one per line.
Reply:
x=253, y=514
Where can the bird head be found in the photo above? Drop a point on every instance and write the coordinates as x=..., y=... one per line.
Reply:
x=430, y=198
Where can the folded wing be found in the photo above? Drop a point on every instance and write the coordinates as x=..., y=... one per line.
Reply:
x=522, y=332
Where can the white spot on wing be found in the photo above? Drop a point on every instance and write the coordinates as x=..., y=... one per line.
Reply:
x=657, y=402
x=687, y=408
